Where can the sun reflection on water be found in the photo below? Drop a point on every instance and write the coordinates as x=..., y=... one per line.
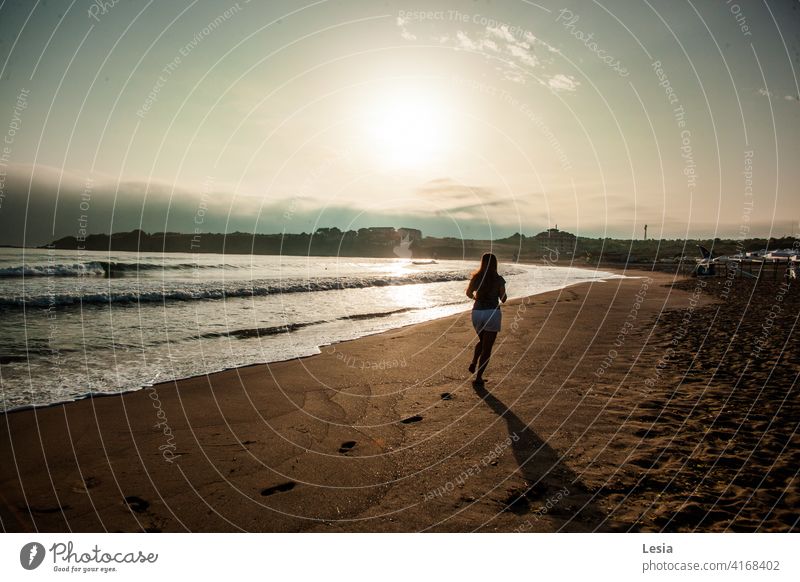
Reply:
x=408, y=296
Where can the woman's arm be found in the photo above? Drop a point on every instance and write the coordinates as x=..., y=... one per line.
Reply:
x=503, y=296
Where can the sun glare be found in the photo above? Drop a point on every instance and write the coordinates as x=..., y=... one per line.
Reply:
x=406, y=130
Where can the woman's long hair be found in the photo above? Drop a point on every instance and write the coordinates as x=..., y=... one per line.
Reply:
x=487, y=272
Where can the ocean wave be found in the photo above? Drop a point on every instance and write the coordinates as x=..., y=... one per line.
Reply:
x=252, y=332
x=230, y=291
x=93, y=269
x=107, y=269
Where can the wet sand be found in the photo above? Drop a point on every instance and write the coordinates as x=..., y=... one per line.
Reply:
x=584, y=425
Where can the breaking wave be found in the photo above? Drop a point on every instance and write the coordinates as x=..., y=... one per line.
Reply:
x=217, y=291
x=108, y=269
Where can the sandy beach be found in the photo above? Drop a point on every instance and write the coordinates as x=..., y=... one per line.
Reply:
x=638, y=404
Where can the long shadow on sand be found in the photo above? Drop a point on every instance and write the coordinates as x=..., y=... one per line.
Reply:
x=553, y=489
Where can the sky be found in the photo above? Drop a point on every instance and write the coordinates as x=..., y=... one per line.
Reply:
x=473, y=119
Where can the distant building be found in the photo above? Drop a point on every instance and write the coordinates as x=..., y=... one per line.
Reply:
x=554, y=241
x=410, y=234
x=379, y=235
x=326, y=232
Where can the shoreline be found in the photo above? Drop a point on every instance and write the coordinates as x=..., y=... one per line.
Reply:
x=89, y=396
x=314, y=445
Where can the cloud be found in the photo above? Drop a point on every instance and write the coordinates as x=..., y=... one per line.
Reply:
x=441, y=207
x=454, y=200
x=482, y=209
x=477, y=45
x=61, y=206
x=514, y=75
x=465, y=42
x=514, y=52
x=770, y=95
x=501, y=32
x=562, y=82
x=404, y=33
x=445, y=189
x=525, y=56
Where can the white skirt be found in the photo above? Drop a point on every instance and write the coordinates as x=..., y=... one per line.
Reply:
x=486, y=320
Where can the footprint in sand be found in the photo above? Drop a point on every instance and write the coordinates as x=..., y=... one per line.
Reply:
x=518, y=500
x=411, y=419
x=46, y=510
x=517, y=505
x=85, y=485
x=137, y=504
x=280, y=488
x=646, y=463
x=346, y=447
x=446, y=396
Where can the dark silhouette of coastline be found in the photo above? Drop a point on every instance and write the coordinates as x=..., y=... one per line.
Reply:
x=549, y=246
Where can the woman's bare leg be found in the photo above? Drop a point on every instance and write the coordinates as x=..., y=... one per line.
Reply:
x=487, y=342
x=476, y=354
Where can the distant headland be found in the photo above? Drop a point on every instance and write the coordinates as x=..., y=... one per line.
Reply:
x=551, y=245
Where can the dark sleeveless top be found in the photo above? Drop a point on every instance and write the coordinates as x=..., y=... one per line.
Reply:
x=487, y=295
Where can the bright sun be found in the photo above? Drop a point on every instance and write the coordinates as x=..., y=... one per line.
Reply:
x=406, y=130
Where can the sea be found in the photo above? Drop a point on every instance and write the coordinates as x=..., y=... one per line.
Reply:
x=75, y=323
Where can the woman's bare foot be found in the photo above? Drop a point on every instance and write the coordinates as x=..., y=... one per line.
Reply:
x=472, y=368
